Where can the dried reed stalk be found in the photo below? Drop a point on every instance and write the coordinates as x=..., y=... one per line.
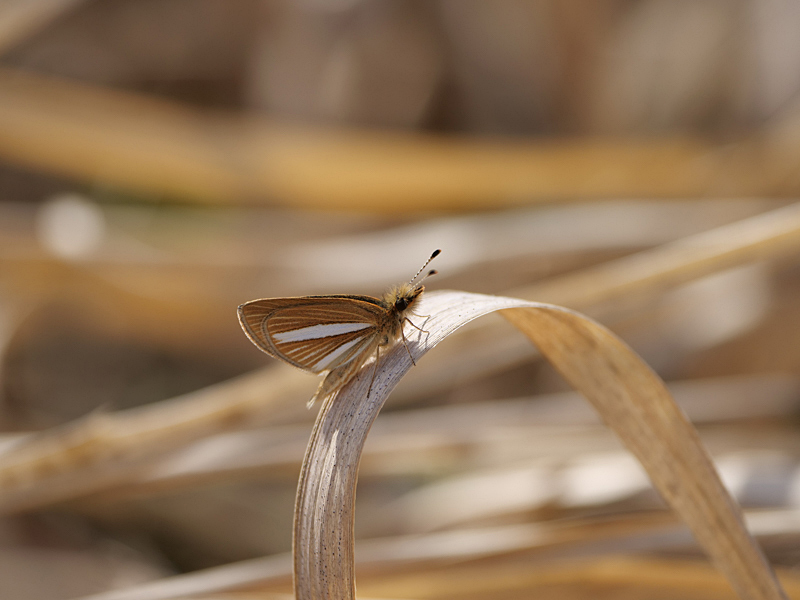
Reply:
x=768, y=235
x=159, y=147
x=60, y=465
x=104, y=450
x=630, y=397
x=438, y=559
x=440, y=439
x=611, y=577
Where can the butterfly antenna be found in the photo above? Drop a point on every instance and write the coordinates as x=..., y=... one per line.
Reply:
x=427, y=262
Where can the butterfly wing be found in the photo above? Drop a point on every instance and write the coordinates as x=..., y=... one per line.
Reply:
x=314, y=333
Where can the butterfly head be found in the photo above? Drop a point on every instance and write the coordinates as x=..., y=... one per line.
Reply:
x=402, y=297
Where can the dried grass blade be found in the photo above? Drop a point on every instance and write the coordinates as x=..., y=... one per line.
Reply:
x=103, y=450
x=767, y=236
x=631, y=398
x=635, y=403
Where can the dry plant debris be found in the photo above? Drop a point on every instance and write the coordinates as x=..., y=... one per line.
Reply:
x=163, y=162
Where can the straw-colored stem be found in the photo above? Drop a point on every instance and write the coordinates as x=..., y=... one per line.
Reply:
x=160, y=147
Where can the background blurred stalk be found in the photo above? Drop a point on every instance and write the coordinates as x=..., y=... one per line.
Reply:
x=164, y=148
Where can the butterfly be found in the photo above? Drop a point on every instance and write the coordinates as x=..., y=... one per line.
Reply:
x=332, y=335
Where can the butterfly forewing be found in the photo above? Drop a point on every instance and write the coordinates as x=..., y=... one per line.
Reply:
x=315, y=334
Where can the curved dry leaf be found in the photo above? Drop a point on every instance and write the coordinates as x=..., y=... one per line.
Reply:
x=630, y=397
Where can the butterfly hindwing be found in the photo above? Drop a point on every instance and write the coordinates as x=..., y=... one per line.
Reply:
x=314, y=333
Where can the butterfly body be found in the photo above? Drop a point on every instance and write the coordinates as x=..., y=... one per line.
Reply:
x=333, y=335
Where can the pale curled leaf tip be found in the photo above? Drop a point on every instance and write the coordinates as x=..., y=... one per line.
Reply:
x=630, y=397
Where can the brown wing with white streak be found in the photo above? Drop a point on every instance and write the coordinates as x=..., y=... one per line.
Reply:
x=313, y=333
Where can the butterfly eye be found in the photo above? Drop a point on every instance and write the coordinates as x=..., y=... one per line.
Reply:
x=401, y=303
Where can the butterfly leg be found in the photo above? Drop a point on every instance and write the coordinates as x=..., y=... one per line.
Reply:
x=375, y=370
x=405, y=343
x=336, y=379
x=416, y=326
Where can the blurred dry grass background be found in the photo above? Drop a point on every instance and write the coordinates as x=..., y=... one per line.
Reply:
x=162, y=162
